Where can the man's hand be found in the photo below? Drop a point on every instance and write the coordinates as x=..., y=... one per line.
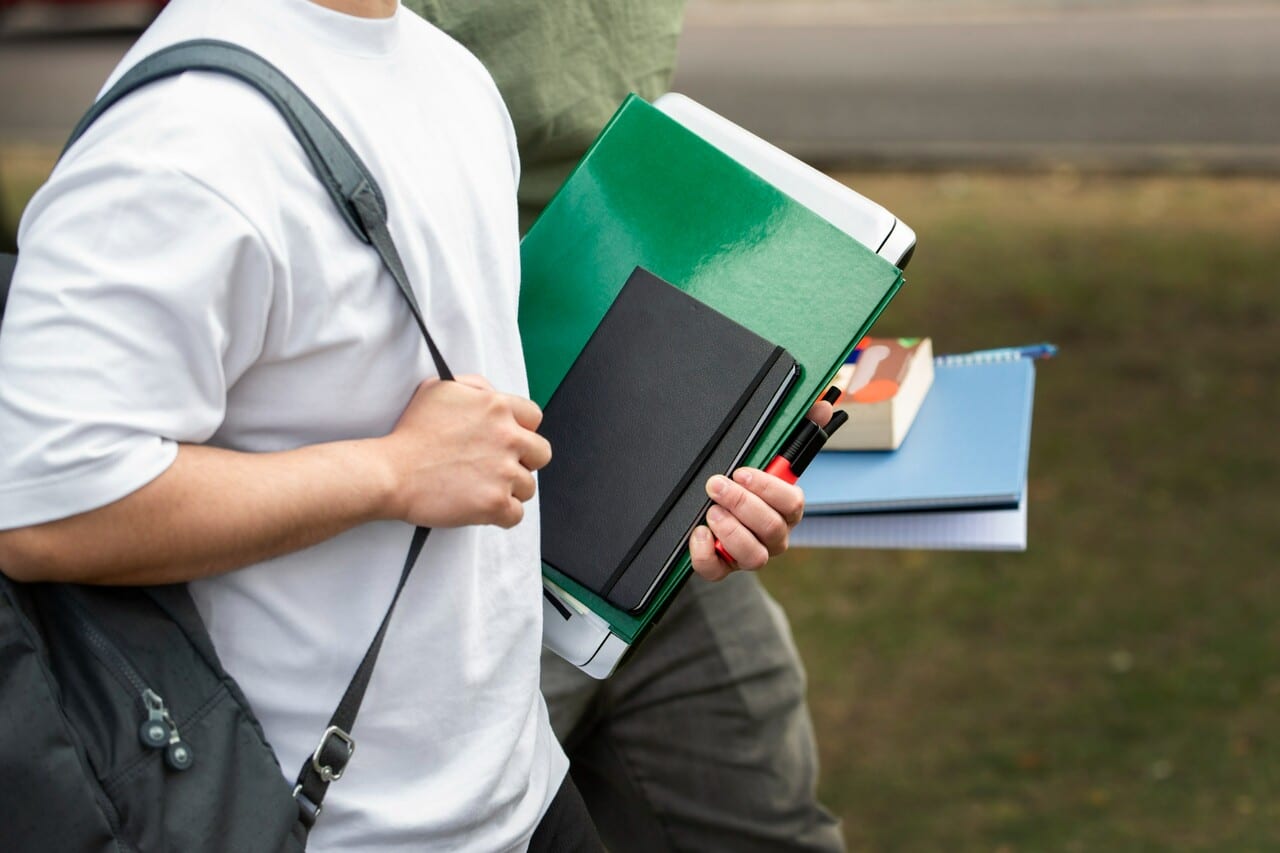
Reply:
x=752, y=516
x=463, y=453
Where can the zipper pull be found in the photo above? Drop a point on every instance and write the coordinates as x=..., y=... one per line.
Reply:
x=177, y=754
x=154, y=733
x=159, y=730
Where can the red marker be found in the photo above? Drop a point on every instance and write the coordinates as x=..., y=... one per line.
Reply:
x=803, y=444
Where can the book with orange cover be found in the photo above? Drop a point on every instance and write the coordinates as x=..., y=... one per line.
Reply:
x=882, y=386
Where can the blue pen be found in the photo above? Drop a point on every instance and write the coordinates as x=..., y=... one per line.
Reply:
x=1002, y=354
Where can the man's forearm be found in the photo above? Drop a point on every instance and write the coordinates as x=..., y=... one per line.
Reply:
x=462, y=453
x=211, y=511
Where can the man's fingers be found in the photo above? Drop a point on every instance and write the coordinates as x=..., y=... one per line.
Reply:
x=703, y=553
x=764, y=522
x=513, y=514
x=747, y=551
x=526, y=412
x=820, y=413
x=785, y=498
x=523, y=486
x=536, y=452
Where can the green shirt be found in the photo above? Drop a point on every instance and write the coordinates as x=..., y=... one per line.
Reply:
x=563, y=67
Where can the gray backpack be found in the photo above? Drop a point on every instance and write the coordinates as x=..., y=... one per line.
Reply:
x=119, y=728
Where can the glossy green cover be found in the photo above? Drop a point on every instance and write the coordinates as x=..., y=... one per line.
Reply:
x=650, y=193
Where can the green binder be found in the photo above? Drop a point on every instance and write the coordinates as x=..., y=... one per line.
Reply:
x=650, y=193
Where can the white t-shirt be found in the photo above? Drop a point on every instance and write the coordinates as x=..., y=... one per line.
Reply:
x=184, y=277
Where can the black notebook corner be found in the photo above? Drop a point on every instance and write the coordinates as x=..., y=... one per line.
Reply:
x=666, y=392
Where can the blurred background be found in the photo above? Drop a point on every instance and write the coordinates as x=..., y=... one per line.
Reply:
x=1103, y=174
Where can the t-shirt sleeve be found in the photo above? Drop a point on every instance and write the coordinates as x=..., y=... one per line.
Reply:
x=139, y=298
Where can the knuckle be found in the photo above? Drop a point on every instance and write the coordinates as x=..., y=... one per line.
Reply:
x=511, y=436
x=495, y=406
x=737, y=497
x=774, y=529
x=724, y=523
x=755, y=559
x=495, y=502
x=780, y=495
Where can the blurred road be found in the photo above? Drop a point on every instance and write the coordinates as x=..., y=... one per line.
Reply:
x=839, y=85
x=49, y=82
x=1141, y=88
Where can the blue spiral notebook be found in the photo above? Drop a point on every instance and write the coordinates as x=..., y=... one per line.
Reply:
x=953, y=530
x=967, y=449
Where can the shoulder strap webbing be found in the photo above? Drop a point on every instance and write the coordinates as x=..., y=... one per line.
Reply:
x=360, y=201
x=7, y=263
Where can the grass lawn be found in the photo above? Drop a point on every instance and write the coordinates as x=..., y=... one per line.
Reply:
x=1117, y=687
x=23, y=169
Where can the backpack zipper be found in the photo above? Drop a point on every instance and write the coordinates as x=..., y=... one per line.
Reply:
x=158, y=730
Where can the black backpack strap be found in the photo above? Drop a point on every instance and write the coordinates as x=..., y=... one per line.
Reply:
x=7, y=263
x=361, y=204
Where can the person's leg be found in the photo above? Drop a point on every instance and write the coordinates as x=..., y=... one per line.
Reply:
x=566, y=827
x=702, y=740
x=569, y=693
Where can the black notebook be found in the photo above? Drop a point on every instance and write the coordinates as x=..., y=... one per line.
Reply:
x=666, y=392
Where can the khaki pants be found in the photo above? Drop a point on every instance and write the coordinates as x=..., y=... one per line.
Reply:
x=702, y=739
